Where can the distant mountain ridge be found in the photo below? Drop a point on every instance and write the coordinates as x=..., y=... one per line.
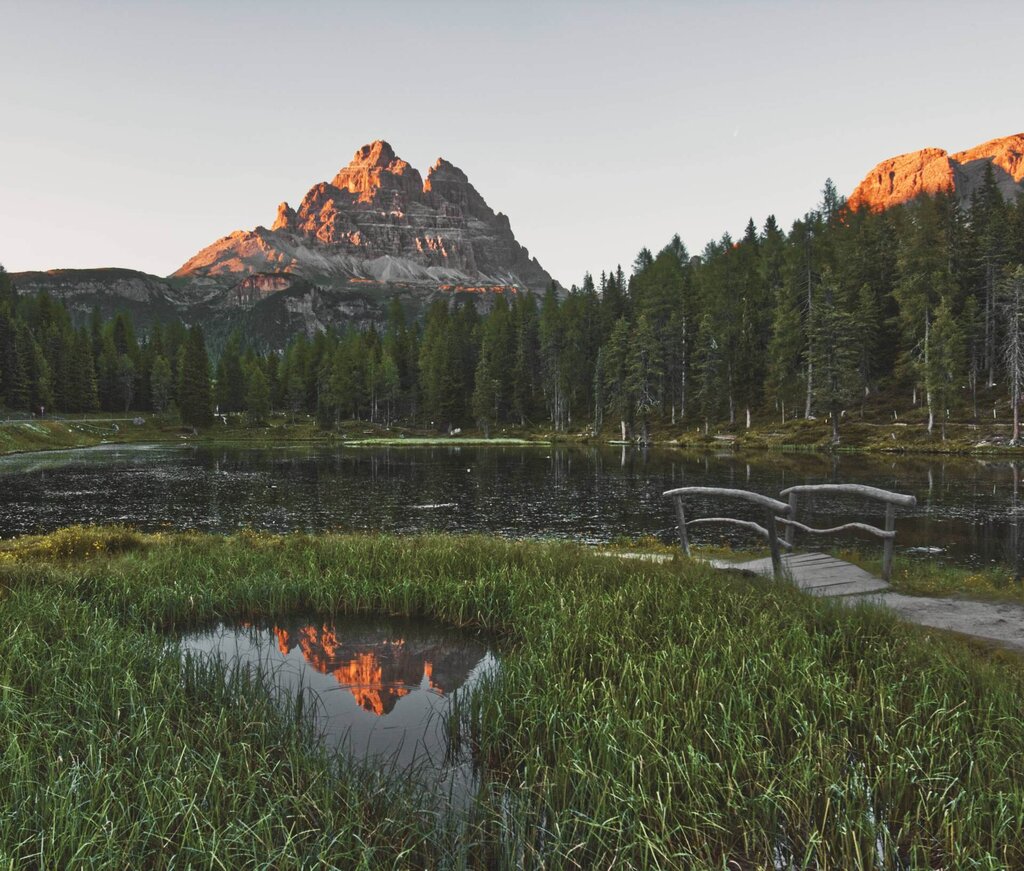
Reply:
x=378, y=230
x=931, y=171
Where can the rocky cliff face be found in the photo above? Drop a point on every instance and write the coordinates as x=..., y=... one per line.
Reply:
x=147, y=297
x=379, y=222
x=934, y=170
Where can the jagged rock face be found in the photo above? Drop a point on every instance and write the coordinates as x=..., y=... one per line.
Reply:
x=933, y=171
x=378, y=221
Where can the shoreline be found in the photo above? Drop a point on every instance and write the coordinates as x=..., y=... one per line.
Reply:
x=899, y=438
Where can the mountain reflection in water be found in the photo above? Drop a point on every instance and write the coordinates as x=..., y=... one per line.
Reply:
x=379, y=671
x=382, y=689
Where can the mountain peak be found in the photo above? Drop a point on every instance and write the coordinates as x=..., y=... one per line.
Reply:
x=444, y=169
x=377, y=153
x=375, y=167
x=932, y=171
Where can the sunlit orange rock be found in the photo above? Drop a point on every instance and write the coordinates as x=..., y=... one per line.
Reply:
x=377, y=175
x=379, y=673
x=932, y=171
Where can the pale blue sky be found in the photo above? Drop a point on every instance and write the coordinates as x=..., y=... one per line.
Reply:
x=134, y=133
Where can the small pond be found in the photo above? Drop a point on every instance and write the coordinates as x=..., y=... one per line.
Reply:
x=381, y=690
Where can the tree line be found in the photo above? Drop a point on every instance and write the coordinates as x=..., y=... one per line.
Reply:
x=925, y=300
x=48, y=365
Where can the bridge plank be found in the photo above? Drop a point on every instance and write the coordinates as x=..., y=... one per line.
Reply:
x=821, y=574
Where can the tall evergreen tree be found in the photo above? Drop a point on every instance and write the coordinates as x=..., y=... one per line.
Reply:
x=195, y=400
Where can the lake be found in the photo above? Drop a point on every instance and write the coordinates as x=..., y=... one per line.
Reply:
x=968, y=507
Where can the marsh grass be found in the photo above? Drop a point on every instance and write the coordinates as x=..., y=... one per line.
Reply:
x=644, y=716
x=935, y=577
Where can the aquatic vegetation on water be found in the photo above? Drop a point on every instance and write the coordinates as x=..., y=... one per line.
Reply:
x=645, y=715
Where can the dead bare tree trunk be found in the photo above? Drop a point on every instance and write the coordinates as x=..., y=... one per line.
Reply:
x=1013, y=351
x=928, y=374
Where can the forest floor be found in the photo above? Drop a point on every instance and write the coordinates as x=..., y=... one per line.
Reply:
x=643, y=714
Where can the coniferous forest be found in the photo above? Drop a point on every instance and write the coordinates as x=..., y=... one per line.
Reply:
x=924, y=302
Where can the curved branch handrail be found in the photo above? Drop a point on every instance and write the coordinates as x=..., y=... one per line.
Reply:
x=900, y=499
x=890, y=499
x=749, y=524
x=772, y=508
x=874, y=530
x=756, y=498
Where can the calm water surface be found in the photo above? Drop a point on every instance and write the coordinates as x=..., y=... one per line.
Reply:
x=970, y=508
x=380, y=690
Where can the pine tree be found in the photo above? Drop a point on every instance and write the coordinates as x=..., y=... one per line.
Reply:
x=486, y=392
x=709, y=365
x=8, y=295
x=644, y=374
x=257, y=395
x=553, y=382
x=526, y=368
x=438, y=359
x=945, y=362
x=784, y=382
x=161, y=384
x=230, y=389
x=615, y=376
x=835, y=353
x=195, y=400
x=82, y=395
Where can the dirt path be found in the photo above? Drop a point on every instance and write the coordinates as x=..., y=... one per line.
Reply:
x=999, y=622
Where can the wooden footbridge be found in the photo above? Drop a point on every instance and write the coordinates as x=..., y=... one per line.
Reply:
x=817, y=573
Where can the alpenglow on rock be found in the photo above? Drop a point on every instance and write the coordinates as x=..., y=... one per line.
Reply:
x=932, y=171
x=378, y=222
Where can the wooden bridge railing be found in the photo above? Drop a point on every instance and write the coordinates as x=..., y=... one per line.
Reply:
x=888, y=535
x=776, y=512
x=772, y=508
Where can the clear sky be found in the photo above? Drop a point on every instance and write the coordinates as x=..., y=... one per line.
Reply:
x=134, y=133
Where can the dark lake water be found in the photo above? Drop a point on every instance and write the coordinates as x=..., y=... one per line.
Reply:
x=970, y=508
x=380, y=691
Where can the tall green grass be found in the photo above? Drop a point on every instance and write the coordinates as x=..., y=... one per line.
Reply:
x=644, y=716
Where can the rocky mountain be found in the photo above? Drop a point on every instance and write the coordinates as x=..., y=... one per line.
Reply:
x=376, y=231
x=379, y=222
x=934, y=170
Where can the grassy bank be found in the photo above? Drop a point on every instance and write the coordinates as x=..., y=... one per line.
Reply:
x=873, y=435
x=47, y=435
x=645, y=715
x=879, y=436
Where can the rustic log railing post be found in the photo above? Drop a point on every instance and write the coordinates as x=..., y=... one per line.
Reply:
x=773, y=511
x=790, y=533
x=890, y=543
x=681, y=517
x=773, y=542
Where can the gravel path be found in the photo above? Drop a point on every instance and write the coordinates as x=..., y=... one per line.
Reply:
x=1000, y=622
